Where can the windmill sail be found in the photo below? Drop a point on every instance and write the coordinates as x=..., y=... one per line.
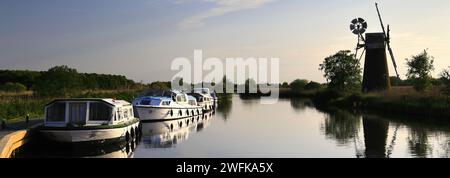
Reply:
x=387, y=38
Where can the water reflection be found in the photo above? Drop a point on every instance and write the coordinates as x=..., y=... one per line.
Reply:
x=375, y=136
x=40, y=148
x=418, y=142
x=224, y=107
x=341, y=126
x=250, y=129
x=168, y=134
x=299, y=104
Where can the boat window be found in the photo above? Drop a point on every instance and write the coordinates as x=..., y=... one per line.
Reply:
x=192, y=102
x=155, y=102
x=77, y=113
x=125, y=113
x=166, y=103
x=145, y=102
x=56, y=112
x=99, y=112
x=181, y=98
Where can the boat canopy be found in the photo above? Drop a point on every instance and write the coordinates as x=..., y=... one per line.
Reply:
x=88, y=111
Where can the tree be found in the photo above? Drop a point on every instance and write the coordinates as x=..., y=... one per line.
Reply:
x=285, y=85
x=419, y=69
x=342, y=71
x=58, y=81
x=445, y=78
x=298, y=84
x=313, y=86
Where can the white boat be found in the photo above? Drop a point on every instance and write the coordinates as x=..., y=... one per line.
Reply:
x=160, y=105
x=204, y=98
x=87, y=120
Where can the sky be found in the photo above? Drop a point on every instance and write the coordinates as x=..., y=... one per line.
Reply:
x=140, y=38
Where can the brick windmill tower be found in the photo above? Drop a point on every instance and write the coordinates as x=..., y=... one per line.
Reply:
x=376, y=72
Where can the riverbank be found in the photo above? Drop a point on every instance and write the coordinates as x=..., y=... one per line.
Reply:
x=14, y=109
x=399, y=100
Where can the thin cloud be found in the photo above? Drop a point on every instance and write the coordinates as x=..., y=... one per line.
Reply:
x=222, y=7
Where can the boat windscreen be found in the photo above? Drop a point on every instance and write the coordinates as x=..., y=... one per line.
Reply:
x=56, y=112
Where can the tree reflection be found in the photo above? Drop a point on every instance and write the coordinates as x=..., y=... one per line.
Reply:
x=299, y=104
x=341, y=126
x=224, y=107
x=418, y=142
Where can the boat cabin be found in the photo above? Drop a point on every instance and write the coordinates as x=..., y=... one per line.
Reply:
x=192, y=100
x=204, y=91
x=200, y=97
x=87, y=112
x=162, y=98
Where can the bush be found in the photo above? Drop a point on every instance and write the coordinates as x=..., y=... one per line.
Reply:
x=313, y=86
x=13, y=87
x=298, y=85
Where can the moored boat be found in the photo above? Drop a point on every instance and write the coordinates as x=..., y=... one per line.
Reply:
x=160, y=105
x=204, y=98
x=88, y=120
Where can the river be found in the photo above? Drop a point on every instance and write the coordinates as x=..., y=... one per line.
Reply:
x=292, y=128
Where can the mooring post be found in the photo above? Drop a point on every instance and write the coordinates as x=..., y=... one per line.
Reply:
x=27, y=118
x=3, y=123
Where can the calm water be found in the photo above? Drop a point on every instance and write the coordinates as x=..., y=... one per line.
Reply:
x=291, y=128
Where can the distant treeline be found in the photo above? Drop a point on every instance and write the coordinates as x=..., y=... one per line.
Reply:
x=60, y=81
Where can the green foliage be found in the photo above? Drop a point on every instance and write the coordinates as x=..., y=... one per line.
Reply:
x=285, y=85
x=445, y=79
x=58, y=81
x=13, y=87
x=159, y=85
x=342, y=71
x=24, y=77
x=313, y=86
x=298, y=85
x=62, y=81
x=19, y=108
x=419, y=69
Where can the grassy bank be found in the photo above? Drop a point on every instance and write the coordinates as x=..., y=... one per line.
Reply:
x=402, y=101
x=398, y=101
x=15, y=108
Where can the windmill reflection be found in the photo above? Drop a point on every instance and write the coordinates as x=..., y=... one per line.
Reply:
x=375, y=136
x=167, y=134
x=372, y=142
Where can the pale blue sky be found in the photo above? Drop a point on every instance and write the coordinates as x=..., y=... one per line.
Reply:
x=140, y=38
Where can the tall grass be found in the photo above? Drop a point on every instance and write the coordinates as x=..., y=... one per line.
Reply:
x=16, y=107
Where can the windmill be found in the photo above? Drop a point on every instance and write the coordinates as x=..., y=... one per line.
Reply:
x=376, y=73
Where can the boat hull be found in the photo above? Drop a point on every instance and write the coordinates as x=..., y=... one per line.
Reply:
x=149, y=113
x=90, y=135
